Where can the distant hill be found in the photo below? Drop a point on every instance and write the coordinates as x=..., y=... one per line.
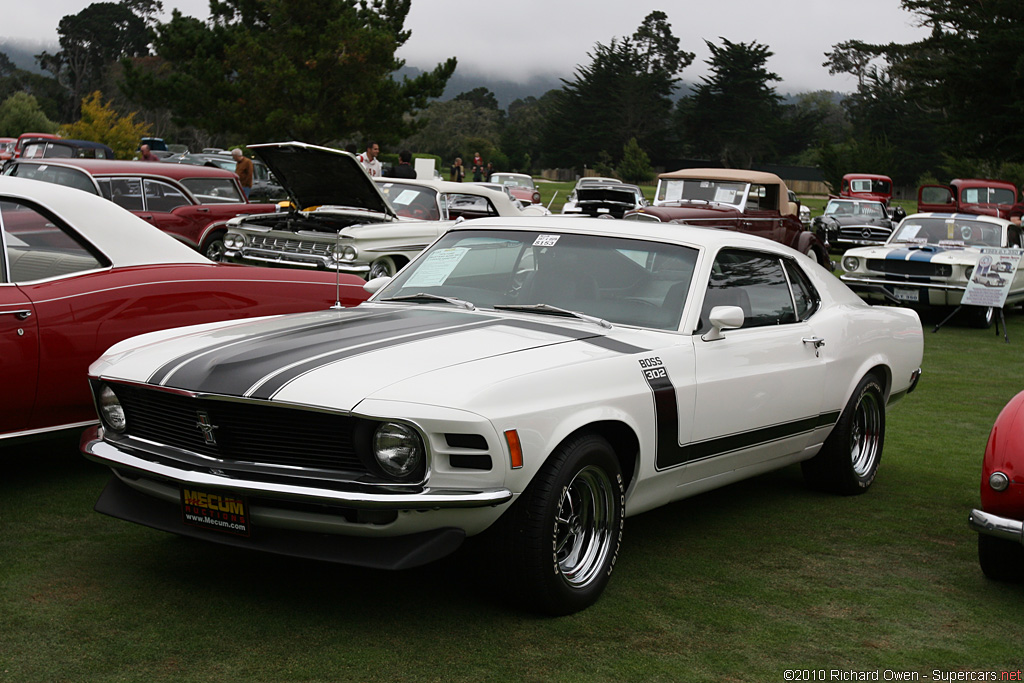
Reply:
x=23, y=53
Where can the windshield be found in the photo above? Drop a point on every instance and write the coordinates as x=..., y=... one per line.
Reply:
x=987, y=195
x=685, y=189
x=512, y=180
x=949, y=231
x=622, y=281
x=854, y=208
x=412, y=201
x=871, y=186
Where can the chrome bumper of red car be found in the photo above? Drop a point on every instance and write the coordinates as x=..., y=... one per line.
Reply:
x=994, y=525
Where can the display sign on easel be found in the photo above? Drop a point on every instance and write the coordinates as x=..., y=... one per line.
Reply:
x=992, y=276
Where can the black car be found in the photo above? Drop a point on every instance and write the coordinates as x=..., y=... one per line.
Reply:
x=856, y=222
x=265, y=187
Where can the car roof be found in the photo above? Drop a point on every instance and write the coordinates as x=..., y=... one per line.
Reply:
x=104, y=224
x=674, y=233
x=733, y=174
x=101, y=167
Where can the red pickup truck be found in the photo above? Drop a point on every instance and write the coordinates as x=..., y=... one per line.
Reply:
x=970, y=195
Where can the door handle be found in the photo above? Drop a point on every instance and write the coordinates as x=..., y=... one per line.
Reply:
x=818, y=342
x=20, y=315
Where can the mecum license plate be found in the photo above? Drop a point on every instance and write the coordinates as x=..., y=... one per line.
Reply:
x=906, y=293
x=215, y=510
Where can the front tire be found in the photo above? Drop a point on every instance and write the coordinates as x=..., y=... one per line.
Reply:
x=385, y=266
x=982, y=318
x=1000, y=559
x=563, y=534
x=214, y=247
x=849, y=458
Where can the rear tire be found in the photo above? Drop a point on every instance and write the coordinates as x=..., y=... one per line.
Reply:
x=562, y=537
x=1000, y=559
x=849, y=458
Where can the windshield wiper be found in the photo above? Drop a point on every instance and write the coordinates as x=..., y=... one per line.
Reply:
x=548, y=309
x=423, y=296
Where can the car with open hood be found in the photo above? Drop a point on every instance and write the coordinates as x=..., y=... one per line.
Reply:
x=856, y=222
x=534, y=380
x=341, y=219
x=596, y=198
x=752, y=202
x=78, y=274
x=930, y=259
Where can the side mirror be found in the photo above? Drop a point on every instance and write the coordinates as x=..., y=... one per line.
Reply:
x=723, y=318
x=374, y=285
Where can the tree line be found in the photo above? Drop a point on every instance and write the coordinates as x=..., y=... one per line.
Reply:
x=947, y=105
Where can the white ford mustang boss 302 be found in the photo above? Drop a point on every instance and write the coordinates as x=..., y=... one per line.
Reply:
x=534, y=379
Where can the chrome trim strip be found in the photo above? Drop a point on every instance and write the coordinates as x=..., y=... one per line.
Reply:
x=424, y=499
x=47, y=430
x=994, y=525
x=900, y=283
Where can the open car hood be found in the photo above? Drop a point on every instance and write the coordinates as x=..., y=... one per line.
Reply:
x=607, y=194
x=321, y=176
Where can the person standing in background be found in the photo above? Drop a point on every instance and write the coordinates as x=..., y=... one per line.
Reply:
x=370, y=161
x=404, y=168
x=243, y=169
x=458, y=171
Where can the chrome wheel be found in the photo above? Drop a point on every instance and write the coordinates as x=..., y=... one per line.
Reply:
x=214, y=250
x=584, y=526
x=866, y=435
x=382, y=267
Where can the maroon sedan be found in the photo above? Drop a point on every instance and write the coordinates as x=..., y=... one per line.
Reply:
x=753, y=202
x=79, y=274
x=192, y=203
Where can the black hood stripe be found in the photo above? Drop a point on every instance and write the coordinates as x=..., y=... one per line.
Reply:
x=161, y=375
x=261, y=365
x=232, y=369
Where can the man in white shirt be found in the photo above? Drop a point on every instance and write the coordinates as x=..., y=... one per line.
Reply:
x=370, y=161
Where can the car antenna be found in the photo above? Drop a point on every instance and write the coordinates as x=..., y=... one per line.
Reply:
x=337, y=274
x=552, y=200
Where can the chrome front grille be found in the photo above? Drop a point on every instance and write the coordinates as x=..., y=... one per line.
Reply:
x=289, y=245
x=237, y=432
x=910, y=268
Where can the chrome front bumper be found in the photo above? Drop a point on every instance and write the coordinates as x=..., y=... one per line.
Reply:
x=994, y=525
x=422, y=498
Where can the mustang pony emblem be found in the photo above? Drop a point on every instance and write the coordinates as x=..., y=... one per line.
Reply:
x=206, y=427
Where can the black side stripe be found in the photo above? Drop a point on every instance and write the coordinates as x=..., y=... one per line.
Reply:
x=671, y=454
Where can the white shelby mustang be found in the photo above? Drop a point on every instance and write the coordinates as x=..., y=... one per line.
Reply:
x=536, y=380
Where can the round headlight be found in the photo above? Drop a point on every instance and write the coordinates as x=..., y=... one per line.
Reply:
x=234, y=240
x=111, y=410
x=998, y=481
x=344, y=252
x=398, y=449
x=850, y=263
x=968, y=272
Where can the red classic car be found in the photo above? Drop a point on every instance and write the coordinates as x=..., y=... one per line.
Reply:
x=78, y=274
x=970, y=195
x=752, y=202
x=869, y=186
x=7, y=148
x=520, y=185
x=192, y=203
x=1000, y=521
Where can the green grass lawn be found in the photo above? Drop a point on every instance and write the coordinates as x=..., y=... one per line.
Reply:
x=739, y=584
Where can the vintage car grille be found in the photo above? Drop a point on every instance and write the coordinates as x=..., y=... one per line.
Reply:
x=243, y=432
x=291, y=245
x=865, y=232
x=910, y=268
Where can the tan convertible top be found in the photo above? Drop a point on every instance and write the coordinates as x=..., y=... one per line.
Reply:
x=736, y=174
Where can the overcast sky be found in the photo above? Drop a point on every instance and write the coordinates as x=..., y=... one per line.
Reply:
x=514, y=40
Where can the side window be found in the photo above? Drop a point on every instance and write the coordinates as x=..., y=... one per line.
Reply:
x=1015, y=237
x=804, y=295
x=126, y=193
x=163, y=197
x=37, y=248
x=754, y=281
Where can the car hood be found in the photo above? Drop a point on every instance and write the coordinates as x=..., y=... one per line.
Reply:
x=925, y=253
x=320, y=176
x=847, y=221
x=338, y=358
